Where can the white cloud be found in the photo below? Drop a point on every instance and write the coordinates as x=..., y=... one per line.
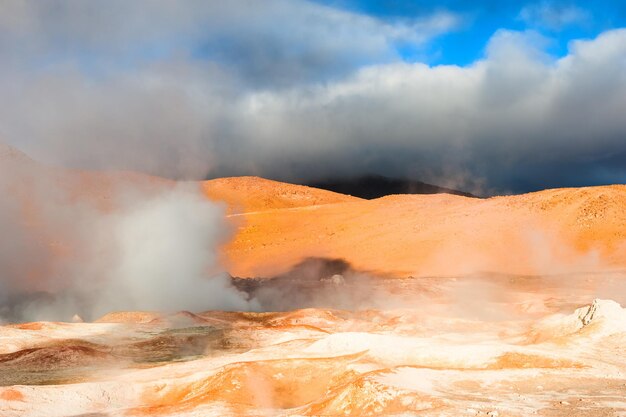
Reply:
x=517, y=115
x=276, y=42
x=517, y=119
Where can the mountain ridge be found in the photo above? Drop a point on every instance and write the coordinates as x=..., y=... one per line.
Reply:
x=375, y=186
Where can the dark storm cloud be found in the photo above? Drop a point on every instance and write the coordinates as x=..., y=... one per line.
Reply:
x=295, y=90
x=157, y=85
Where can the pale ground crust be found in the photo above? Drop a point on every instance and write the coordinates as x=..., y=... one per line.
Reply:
x=516, y=353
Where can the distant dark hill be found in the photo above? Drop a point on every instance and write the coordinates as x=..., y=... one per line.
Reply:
x=375, y=186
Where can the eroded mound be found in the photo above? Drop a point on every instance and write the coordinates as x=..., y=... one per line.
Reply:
x=598, y=319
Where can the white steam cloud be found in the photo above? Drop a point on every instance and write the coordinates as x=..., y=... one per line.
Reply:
x=70, y=246
x=165, y=255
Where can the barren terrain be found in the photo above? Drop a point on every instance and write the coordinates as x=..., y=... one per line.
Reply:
x=517, y=352
x=552, y=231
x=430, y=305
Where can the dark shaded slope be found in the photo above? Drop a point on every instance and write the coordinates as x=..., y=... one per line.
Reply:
x=375, y=186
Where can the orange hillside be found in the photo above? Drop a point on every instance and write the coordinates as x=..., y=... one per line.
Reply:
x=249, y=194
x=552, y=231
x=278, y=225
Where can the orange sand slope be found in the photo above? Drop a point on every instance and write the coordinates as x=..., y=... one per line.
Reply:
x=279, y=225
x=248, y=194
x=547, y=232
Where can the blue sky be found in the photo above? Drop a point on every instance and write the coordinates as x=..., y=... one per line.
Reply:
x=481, y=19
x=485, y=96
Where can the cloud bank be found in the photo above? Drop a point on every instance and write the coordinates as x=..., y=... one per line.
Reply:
x=296, y=90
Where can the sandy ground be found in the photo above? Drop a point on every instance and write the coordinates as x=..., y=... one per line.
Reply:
x=253, y=194
x=514, y=352
x=430, y=305
x=552, y=231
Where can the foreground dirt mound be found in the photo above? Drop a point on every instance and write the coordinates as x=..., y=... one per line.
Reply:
x=278, y=384
x=600, y=318
x=129, y=317
x=367, y=396
x=64, y=362
x=53, y=357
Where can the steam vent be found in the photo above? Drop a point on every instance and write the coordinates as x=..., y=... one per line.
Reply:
x=317, y=208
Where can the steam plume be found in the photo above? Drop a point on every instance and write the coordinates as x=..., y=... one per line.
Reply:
x=130, y=248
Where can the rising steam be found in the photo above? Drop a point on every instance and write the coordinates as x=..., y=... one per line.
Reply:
x=129, y=248
x=164, y=251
